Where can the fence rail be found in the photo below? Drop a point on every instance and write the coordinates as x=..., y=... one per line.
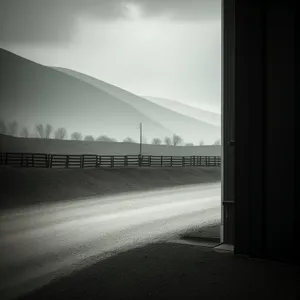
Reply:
x=42, y=160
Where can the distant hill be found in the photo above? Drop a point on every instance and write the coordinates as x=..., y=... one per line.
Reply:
x=31, y=93
x=193, y=112
x=190, y=128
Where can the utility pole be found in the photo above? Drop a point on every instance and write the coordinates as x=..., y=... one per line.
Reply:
x=141, y=142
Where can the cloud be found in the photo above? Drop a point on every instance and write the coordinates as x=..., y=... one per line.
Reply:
x=55, y=21
x=48, y=21
x=182, y=9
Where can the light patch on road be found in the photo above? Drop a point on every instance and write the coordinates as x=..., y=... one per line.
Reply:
x=44, y=242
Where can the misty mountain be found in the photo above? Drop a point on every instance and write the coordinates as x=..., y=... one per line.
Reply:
x=191, y=129
x=31, y=93
x=193, y=112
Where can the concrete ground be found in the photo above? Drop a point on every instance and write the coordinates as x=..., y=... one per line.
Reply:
x=172, y=270
x=205, y=233
x=44, y=242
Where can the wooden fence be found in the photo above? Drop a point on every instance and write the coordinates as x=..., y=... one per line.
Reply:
x=41, y=160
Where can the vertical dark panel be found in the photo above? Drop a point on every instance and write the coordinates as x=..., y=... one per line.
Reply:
x=242, y=187
x=256, y=137
x=249, y=91
x=266, y=204
x=280, y=131
x=297, y=135
x=228, y=120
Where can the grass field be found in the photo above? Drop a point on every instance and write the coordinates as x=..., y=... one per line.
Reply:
x=36, y=145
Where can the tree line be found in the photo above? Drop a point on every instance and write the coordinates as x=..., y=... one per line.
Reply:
x=47, y=131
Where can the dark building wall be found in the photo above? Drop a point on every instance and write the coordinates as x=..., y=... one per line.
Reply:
x=266, y=187
x=228, y=121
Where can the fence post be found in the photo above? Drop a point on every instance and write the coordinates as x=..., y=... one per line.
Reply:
x=46, y=160
x=112, y=161
x=161, y=160
x=194, y=161
x=171, y=161
x=149, y=160
x=126, y=161
x=67, y=162
x=183, y=161
x=82, y=161
x=215, y=161
x=206, y=161
x=51, y=161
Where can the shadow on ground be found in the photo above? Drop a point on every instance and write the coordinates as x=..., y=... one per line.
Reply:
x=174, y=271
x=22, y=187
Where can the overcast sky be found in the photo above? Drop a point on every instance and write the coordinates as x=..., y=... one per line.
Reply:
x=160, y=48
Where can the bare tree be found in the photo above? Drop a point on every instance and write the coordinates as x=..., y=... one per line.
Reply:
x=168, y=141
x=48, y=131
x=217, y=142
x=105, y=138
x=177, y=140
x=44, y=131
x=89, y=138
x=201, y=143
x=77, y=136
x=189, y=144
x=128, y=140
x=12, y=128
x=3, y=127
x=40, y=130
x=60, y=133
x=24, y=133
x=156, y=141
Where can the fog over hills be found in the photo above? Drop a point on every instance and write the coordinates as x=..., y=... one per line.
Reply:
x=190, y=128
x=193, y=112
x=31, y=94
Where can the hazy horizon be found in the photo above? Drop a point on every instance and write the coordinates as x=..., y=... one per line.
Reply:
x=169, y=50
